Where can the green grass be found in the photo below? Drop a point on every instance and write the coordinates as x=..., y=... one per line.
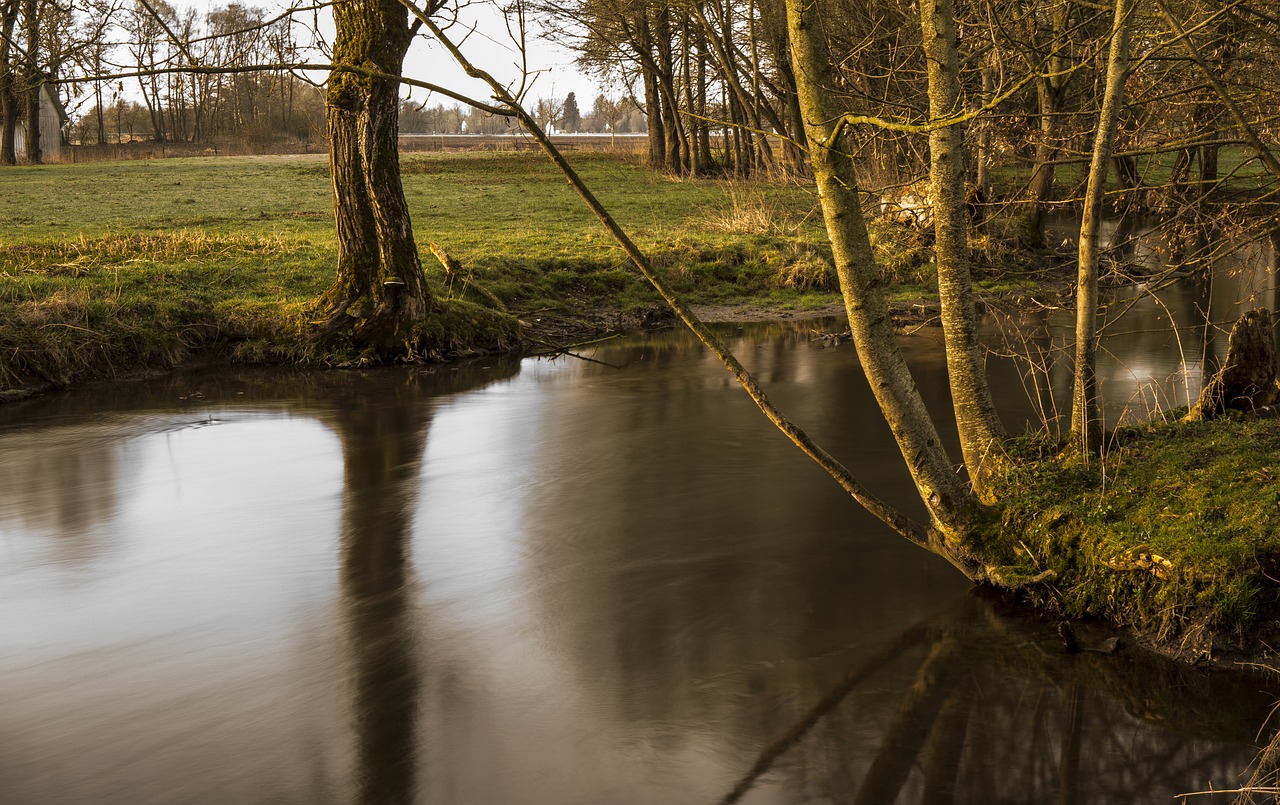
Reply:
x=1176, y=532
x=110, y=267
x=107, y=269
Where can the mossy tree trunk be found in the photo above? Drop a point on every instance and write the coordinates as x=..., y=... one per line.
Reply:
x=1086, y=415
x=975, y=412
x=380, y=289
x=863, y=285
x=1247, y=379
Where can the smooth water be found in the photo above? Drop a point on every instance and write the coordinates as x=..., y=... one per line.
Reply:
x=553, y=582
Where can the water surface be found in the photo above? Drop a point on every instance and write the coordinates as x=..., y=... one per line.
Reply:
x=538, y=582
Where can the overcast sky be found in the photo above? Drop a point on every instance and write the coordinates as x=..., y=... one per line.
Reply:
x=489, y=47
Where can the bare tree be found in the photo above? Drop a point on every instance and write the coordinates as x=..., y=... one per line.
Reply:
x=8, y=93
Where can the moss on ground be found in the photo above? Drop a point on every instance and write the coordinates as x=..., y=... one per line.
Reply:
x=1176, y=531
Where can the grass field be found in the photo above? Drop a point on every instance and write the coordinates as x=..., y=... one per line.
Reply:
x=110, y=267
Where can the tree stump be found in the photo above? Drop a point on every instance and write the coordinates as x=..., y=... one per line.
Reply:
x=1247, y=379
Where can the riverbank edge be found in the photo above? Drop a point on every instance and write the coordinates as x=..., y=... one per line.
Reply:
x=464, y=330
x=458, y=329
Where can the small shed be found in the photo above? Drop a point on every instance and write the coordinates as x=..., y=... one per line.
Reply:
x=52, y=120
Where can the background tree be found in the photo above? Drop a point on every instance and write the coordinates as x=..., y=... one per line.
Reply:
x=607, y=114
x=550, y=112
x=8, y=91
x=571, y=117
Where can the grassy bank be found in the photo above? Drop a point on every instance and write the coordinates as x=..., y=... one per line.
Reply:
x=111, y=268
x=1176, y=532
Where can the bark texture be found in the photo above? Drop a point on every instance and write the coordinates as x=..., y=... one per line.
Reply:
x=380, y=288
x=863, y=284
x=975, y=412
x=32, y=81
x=1247, y=380
x=1086, y=415
x=8, y=99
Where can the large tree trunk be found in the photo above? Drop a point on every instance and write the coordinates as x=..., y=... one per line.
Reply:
x=975, y=412
x=1086, y=416
x=380, y=288
x=863, y=286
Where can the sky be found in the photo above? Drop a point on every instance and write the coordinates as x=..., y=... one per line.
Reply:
x=489, y=47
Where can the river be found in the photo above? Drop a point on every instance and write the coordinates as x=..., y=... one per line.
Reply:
x=564, y=581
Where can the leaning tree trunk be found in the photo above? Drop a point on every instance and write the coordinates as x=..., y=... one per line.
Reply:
x=1086, y=416
x=863, y=286
x=380, y=289
x=975, y=412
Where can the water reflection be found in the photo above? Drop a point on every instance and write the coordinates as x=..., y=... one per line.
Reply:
x=61, y=482
x=953, y=711
x=557, y=582
x=382, y=443
x=1160, y=337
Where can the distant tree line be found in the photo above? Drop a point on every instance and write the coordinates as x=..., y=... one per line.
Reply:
x=606, y=116
x=1036, y=68
x=116, y=66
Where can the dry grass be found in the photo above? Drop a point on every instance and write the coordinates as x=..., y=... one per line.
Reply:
x=747, y=210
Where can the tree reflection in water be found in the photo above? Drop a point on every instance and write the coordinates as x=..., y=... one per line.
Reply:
x=677, y=612
x=989, y=709
x=383, y=441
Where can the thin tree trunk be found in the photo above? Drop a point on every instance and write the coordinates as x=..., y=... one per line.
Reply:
x=652, y=95
x=984, y=155
x=975, y=412
x=8, y=100
x=101, y=121
x=1050, y=92
x=1042, y=175
x=34, y=83
x=704, y=130
x=686, y=78
x=1086, y=415
x=677, y=140
x=863, y=286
